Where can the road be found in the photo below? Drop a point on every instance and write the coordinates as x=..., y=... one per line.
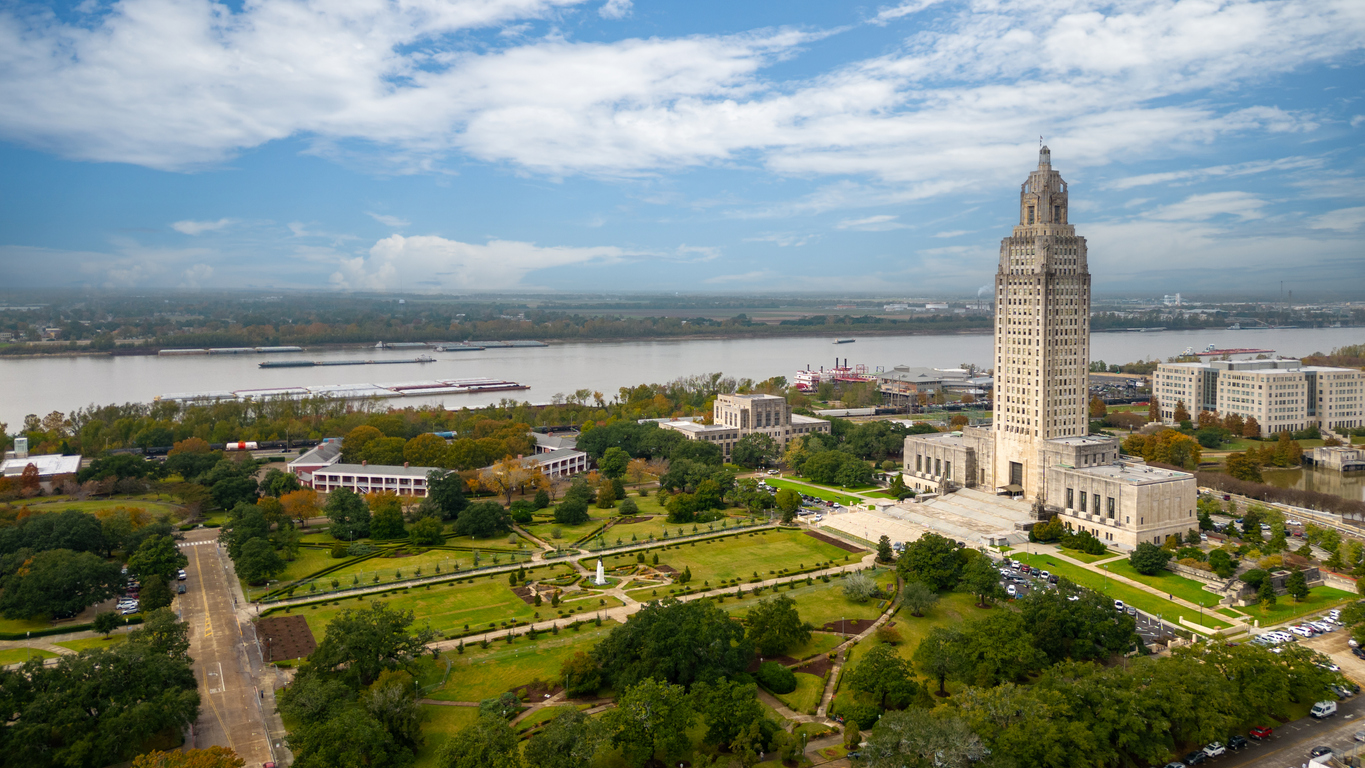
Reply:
x=1290, y=745
x=231, y=710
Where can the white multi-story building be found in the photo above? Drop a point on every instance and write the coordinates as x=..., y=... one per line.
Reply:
x=735, y=416
x=1281, y=394
x=1038, y=446
x=373, y=478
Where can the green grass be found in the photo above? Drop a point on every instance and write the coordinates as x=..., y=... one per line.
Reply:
x=820, y=644
x=23, y=625
x=740, y=556
x=544, y=715
x=446, y=607
x=438, y=725
x=806, y=697
x=1319, y=599
x=813, y=490
x=481, y=673
x=93, y=642
x=19, y=655
x=152, y=503
x=834, y=487
x=1113, y=589
x=819, y=603
x=1167, y=582
x=1076, y=554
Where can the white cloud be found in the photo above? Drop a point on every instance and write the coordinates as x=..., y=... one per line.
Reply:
x=432, y=263
x=615, y=9
x=741, y=278
x=783, y=239
x=885, y=15
x=953, y=233
x=1341, y=220
x=1218, y=171
x=196, y=276
x=393, y=222
x=880, y=223
x=200, y=227
x=1243, y=205
x=175, y=84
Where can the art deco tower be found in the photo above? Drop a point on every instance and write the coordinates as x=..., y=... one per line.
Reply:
x=1042, y=332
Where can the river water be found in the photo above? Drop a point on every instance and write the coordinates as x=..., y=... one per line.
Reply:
x=42, y=385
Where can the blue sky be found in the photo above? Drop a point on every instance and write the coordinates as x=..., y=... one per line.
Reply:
x=418, y=145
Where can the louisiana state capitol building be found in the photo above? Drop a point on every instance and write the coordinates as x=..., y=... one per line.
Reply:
x=1038, y=450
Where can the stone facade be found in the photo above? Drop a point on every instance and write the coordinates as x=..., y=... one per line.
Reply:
x=1039, y=446
x=1281, y=394
x=735, y=416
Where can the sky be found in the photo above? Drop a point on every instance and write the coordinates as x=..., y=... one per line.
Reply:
x=456, y=146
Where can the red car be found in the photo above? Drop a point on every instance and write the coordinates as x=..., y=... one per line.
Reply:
x=1261, y=732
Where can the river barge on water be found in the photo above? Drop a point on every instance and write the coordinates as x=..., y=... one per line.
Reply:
x=312, y=363
x=352, y=391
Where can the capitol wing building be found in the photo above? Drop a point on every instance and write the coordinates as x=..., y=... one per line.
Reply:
x=1038, y=453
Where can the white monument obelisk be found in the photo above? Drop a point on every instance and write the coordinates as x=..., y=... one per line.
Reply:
x=601, y=579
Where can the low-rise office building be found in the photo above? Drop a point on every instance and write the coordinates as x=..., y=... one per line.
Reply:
x=1281, y=394
x=323, y=455
x=373, y=478
x=736, y=416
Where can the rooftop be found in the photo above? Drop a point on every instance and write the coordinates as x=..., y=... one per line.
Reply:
x=555, y=455
x=378, y=469
x=325, y=452
x=905, y=373
x=48, y=464
x=1083, y=440
x=1133, y=474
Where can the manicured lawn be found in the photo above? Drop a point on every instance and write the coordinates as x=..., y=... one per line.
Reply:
x=806, y=697
x=1113, y=589
x=308, y=561
x=820, y=644
x=481, y=673
x=446, y=606
x=543, y=715
x=22, y=625
x=439, y=723
x=1076, y=554
x=1167, y=582
x=1319, y=599
x=813, y=490
x=740, y=556
x=94, y=642
x=951, y=608
x=833, y=487
x=387, y=568
x=819, y=603
x=150, y=502
x=20, y=655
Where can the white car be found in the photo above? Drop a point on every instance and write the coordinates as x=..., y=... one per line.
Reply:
x=1118, y=605
x=1321, y=626
x=1301, y=631
x=1215, y=749
x=1011, y=591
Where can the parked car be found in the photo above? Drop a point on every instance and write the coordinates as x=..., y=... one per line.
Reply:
x=1118, y=605
x=1052, y=579
x=1194, y=758
x=180, y=589
x=1261, y=732
x=128, y=611
x=1175, y=764
x=1323, y=709
x=1360, y=736
x=1132, y=611
x=181, y=575
x=1216, y=749
x=1011, y=591
x=1237, y=742
x=1320, y=751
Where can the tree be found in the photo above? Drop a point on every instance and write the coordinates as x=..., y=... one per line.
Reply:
x=573, y=508
x=505, y=476
x=1181, y=414
x=390, y=701
x=651, y=718
x=931, y=559
x=728, y=707
x=938, y=655
x=349, y=513
x=613, y=463
x=363, y=642
x=106, y=622
x=919, y=737
x=1221, y=563
x=212, y=757
x=483, y=520
x=788, y=501
x=1297, y=586
x=446, y=490
x=755, y=449
x=628, y=508
x=301, y=504
x=775, y=677
x=1098, y=409
x=386, y=517
x=427, y=532
x=1153, y=410
x=354, y=442
x=58, y=582
x=1072, y=623
x=1252, y=428
x=258, y=562
x=231, y=491
x=918, y=597
x=885, y=553
x=981, y=579
x=581, y=675
x=606, y=496
x=773, y=626
x=883, y=674
x=676, y=642
x=158, y=556
x=859, y=587
x=425, y=450
x=570, y=740
x=1266, y=594
x=1149, y=559
x=156, y=593
x=489, y=743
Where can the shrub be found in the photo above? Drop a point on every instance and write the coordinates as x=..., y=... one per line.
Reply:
x=338, y=550
x=776, y=678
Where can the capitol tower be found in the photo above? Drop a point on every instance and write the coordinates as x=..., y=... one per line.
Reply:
x=1042, y=331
